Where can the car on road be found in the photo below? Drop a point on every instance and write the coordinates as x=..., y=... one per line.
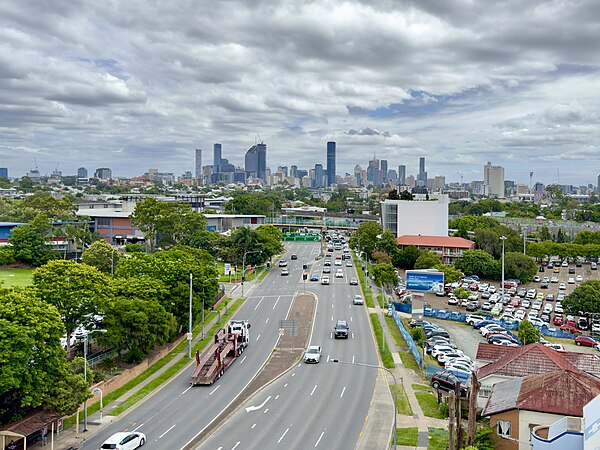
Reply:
x=445, y=381
x=354, y=281
x=327, y=262
x=338, y=262
x=284, y=272
x=124, y=441
x=340, y=331
x=314, y=277
x=348, y=263
x=313, y=354
x=358, y=300
x=587, y=341
x=294, y=256
x=283, y=263
x=339, y=274
x=325, y=279
x=326, y=270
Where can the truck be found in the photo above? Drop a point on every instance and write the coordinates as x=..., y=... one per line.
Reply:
x=228, y=343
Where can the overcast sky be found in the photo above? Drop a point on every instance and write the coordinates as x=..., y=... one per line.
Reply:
x=139, y=84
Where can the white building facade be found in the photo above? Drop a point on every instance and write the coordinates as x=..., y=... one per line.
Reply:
x=493, y=181
x=426, y=216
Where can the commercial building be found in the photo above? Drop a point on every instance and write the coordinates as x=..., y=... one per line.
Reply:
x=493, y=181
x=401, y=175
x=318, y=181
x=217, y=154
x=103, y=173
x=256, y=162
x=198, y=164
x=423, y=216
x=4, y=172
x=82, y=172
x=330, y=163
x=448, y=248
x=422, y=177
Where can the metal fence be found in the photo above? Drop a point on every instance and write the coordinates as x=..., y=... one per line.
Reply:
x=408, y=338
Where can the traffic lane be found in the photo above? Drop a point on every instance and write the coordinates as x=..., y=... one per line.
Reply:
x=168, y=409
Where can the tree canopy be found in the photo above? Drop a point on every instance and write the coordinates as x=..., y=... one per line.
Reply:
x=584, y=299
x=528, y=334
x=102, y=256
x=427, y=260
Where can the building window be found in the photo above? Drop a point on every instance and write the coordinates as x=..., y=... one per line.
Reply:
x=103, y=221
x=503, y=428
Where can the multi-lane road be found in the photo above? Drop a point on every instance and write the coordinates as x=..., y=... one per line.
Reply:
x=312, y=406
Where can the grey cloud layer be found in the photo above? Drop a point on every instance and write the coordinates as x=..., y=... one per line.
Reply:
x=140, y=84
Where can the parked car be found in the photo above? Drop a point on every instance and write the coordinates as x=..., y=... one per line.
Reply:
x=587, y=341
x=579, y=278
x=445, y=381
x=325, y=279
x=314, y=277
x=570, y=329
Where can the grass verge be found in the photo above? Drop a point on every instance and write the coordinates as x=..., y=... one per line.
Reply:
x=384, y=351
x=438, y=439
x=429, y=405
x=407, y=436
x=70, y=421
x=408, y=360
x=421, y=387
x=402, y=403
x=361, y=279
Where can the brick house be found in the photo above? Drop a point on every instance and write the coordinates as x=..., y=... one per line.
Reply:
x=448, y=248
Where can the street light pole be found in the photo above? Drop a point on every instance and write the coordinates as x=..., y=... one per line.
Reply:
x=502, y=238
x=189, y=336
x=85, y=351
x=374, y=366
x=524, y=240
x=244, y=266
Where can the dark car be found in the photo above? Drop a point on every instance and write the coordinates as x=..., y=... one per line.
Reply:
x=341, y=329
x=586, y=341
x=314, y=277
x=438, y=332
x=445, y=381
x=571, y=269
x=472, y=306
x=294, y=256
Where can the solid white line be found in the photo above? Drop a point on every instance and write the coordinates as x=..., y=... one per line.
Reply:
x=236, y=445
x=258, y=304
x=185, y=391
x=243, y=359
x=332, y=305
x=332, y=318
x=314, y=389
x=328, y=358
x=283, y=435
x=319, y=440
x=257, y=337
x=343, y=390
x=214, y=390
x=294, y=374
x=160, y=437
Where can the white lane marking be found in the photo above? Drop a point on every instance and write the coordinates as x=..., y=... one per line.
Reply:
x=283, y=435
x=350, y=318
x=353, y=335
x=141, y=425
x=257, y=337
x=327, y=358
x=254, y=408
x=319, y=440
x=330, y=334
x=285, y=385
x=265, y=411
x=185, y=391
x=332, y=318
x=160, y=437
x=353, y=359
x=267, y=321
x=220, y=448
x=258, y=304
x=236, y=445
x=214, y=390
x=276, y=302
x=294, y=374
x=333, y=295
x=332, y=305
x=313, y=390
x=243, y=359
x=252, y=427
x=276, y=397
x=343, y=390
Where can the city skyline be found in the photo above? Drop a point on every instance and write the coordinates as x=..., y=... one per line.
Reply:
x=457, y=83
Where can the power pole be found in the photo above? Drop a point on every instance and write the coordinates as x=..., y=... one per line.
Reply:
x=451, y=405
x=472, y=409
x=459, y=428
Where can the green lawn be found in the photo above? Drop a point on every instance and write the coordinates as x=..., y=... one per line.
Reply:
x=429, y=405
x=402, y=404
x=407, y=436
x=438, y=439
x=421, y=387
x=16, y=277
x=384, y=350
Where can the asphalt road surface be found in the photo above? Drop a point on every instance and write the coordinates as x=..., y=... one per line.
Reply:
x=313, y=406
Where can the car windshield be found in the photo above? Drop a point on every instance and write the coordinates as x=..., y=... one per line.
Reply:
x=313, y=350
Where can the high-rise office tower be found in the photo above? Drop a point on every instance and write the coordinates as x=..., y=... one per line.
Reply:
x=82, y=172
x=383, y=165
x=401, y=175
x=422, y=177
x=256, y=161
x=330, y=163
x=318, y=175
x=198, y=163
x=493, y=181
x=4, y=172
x=103, y=173
x=216, y=158
x=598, y=186
x=373, y=171
x=294, y=171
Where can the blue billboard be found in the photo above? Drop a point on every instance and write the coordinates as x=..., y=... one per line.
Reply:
x=424, y=280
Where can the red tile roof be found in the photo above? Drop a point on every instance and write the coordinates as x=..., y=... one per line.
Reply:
x=562, y=392
x=585, y=362
x=527, y=360
x=435, y=241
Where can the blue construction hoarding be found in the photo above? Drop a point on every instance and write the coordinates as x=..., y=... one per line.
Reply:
x=424, y=280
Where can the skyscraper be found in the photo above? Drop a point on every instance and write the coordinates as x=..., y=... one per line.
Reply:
x=330, y=163
x=401, y=175
x=82, y=172
x=256, y=161
x=4, y=172
x=383, y=165
x=294, y=171
x=318, y=175
x=422, y=177
x=216, y=158
x=493, y=181
x=198, y=163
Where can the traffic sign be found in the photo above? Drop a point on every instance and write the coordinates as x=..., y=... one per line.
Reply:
x=281, y=331
x=189, y=336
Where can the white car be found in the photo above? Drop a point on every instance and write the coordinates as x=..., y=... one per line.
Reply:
x=520, y=314
x=571, y=281
x=452, y=300
x=557, y=347
x=562, y=286
x=358, y=300
x=492, y=289
x=579, y=278
x=554, y=280
x=313, y=354
x=442, y=348
x=339, y=274
x=325, y=279
x=338, y=262
x=124, y=441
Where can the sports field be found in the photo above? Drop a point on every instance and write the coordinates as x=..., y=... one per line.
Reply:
x=15, y=277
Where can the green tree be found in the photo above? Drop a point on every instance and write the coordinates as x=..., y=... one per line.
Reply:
x=366, y=238
x=388, y=244
x=479, y=262
x=427, y=260
x=584, y=299
x=270, y=241
x=528, y=334
x=29, y=242
x=250, y=203
x=34, y=371
x=519, y=266
x=75, y=290
x=405, y=195
x=382, y=257
x=393, y=195
x=451, y=273
x=385, y=275
x=102, y=256
x=407, y=257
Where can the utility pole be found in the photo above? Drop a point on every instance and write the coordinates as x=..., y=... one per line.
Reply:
x=472, y=409
x=459, y=428
x=451, y=405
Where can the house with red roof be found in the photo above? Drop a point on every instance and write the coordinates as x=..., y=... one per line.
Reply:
x=522, y=405
x=448, y=248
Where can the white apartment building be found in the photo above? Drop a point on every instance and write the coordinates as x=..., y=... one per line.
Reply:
x=421, y=216
x=493, y=181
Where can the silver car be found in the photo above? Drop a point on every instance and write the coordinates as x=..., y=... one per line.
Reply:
x=313, y=354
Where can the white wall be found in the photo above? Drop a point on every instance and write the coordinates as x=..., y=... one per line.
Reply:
x=425, y=218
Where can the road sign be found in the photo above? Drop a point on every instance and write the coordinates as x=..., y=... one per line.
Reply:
x=281, y=331
x=189, y=336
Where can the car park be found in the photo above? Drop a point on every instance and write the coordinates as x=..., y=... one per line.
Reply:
x=124, y=441
x=358, y=300
x=313, y=354
x=446, y=381
x=526, y=304
x=354, y=281
x=579, y=278
x=586, y=341
x=492, y=289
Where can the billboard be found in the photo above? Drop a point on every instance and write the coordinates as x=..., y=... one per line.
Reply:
x=424, y=280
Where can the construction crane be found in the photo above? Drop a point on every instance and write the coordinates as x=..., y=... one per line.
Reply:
x=461, y=178
x=259, y=139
